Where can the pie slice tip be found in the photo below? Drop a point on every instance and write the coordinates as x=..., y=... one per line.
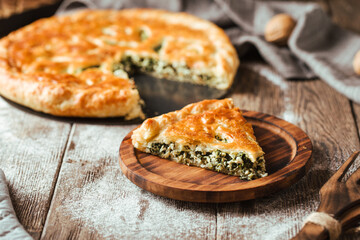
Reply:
x=210, y=134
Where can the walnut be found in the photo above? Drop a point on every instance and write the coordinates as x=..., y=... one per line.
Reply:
x=279, y=29
x=356, y=63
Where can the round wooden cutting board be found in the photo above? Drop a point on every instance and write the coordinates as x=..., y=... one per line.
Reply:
x=287, y=154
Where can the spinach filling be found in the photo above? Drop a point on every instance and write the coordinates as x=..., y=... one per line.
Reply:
x=237, y=165
x=221, y=139
x=158, y=47
x=158, y=68
x=88, y=67
x=143, y=35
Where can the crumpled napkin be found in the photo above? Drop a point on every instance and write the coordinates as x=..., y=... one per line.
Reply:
x=10, y=228
x=317, y=47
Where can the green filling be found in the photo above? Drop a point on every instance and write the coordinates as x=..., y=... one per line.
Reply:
x=158, y=68
x=125, y=64
x=158, y=47
x=161, y=69
x=88, y=67
x=143, y=35
x=239, y=165
x=219, y=138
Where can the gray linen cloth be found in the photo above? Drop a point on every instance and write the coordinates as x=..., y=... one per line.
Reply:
x=317, y=47
x=10, y=228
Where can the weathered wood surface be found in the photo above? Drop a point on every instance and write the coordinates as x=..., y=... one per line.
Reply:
x=65, y=181
x=356, y=108
x=321, y=113
x=346, y=13
x=31, y=150
x=94, y=200
x=338, y=197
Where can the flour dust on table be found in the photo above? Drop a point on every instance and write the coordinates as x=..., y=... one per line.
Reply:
x=108, y=209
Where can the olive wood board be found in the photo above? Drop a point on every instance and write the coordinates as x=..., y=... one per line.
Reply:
x=287, y=154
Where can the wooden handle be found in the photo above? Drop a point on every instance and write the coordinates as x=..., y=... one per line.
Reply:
x=312, y=231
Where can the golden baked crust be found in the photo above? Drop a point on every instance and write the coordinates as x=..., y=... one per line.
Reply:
x=68, y=65
x=67, y=95
x=203, y=127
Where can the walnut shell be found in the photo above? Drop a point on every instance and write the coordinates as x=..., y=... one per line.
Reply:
x=279, y=29
x=356, y=63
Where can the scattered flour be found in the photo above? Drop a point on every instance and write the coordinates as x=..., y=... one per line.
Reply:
x=29, y=187
x=273, y=77
x=114, y=207
x=30, y=153
x=290, y=116
x=273, y=217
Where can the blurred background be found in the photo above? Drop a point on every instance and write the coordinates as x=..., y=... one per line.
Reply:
x=17, y=13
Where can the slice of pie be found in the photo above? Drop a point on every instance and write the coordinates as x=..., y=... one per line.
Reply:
x=210, y=134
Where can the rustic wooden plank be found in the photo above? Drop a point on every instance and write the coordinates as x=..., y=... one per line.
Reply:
x=94, y=200
x=356, y=114
x=336, y=199
x=346, y=13
x=326, y=116
x=31, y=149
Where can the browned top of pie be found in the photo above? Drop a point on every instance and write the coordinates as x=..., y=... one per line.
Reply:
x=217, y=124
x=53, y=53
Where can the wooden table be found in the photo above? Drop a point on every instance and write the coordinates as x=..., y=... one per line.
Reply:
x=66, y=183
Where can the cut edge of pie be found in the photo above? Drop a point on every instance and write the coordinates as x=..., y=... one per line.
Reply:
x=210, y=134
x=47, y=65
x=113, y=97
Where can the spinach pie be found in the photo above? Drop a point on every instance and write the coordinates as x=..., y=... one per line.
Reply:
x=210, y=134
x=79, y=64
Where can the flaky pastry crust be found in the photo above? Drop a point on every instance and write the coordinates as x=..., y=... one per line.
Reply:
x=201, y=124
x=64, y=65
